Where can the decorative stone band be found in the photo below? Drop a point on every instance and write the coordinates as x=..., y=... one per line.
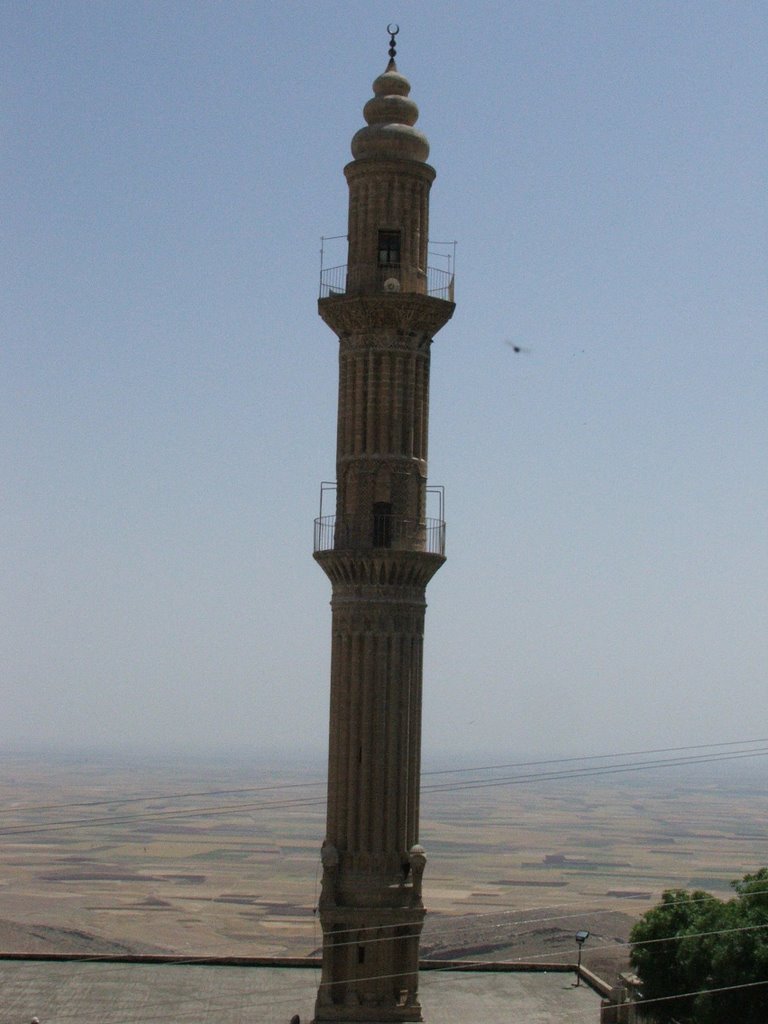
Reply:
x=393, y=311
x=400, y=569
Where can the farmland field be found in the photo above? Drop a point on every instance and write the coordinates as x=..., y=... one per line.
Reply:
x=217, y=858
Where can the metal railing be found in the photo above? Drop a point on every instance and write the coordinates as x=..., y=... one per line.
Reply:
x=393, y=277
x=378, y=533
x=333, y=281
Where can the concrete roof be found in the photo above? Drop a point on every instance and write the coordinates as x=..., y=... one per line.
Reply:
x=130, y=993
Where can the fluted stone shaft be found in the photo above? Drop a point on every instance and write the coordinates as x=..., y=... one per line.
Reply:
x=382, y=425
x=383, y=195
x=376, y=701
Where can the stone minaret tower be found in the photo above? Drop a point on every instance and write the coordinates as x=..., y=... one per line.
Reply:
x=379, y=551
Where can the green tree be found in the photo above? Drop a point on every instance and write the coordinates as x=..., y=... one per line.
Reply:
x=693, y=942
x=669, y=967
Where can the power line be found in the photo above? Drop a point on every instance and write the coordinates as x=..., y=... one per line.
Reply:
x=234, y=808
x=703, y=991
x=537, y=956
x=181, y=961
x=446, y=771
x=161, y=796
x=533, y=777
x=564, y=917
x=439, y=788
x=600, y=770
x=598, y=757
x=358, y=931
x=275, y=1000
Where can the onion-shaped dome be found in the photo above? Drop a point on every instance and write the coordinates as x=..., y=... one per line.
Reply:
x=391, y=115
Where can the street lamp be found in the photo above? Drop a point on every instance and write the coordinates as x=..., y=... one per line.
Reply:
x=581, y=938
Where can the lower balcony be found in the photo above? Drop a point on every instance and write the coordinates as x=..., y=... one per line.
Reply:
x=379, y=533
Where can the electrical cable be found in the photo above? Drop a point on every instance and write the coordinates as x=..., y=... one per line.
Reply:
x=702, y=992
x=291, y=999
x=607, y=945
x=162, y=796
x=529, y=958
x=577, y=773
x=446, y=771
x=597, y=757
x=514, y=780
x=441, y=787
x=707, y=898
x=189, y=961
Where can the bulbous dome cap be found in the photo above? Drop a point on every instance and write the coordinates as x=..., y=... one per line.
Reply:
x=391, y=82
x=391, y=115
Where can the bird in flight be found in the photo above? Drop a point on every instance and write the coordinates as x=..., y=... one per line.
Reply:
x=517, y=348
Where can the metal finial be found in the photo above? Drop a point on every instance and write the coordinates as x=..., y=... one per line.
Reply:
x=393, y=30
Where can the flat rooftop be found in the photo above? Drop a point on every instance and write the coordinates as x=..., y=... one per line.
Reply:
x=90, y=992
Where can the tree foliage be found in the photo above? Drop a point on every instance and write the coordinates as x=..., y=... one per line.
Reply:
x=694, y=943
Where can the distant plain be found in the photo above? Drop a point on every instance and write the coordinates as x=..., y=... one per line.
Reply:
x=210, y=857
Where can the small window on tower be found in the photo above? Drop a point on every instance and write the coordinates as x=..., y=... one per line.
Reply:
x=382, y=524
x=389, y=248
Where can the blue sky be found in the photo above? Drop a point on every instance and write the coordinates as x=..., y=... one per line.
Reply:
x=168, y=391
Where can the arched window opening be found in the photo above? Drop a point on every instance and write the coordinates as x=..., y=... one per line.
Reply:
x=389, y=248
x=382, y=524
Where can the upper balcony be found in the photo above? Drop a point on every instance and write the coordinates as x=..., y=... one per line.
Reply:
x=380, y=529
x=378, y=533
x=391, y=274
x=390, y=278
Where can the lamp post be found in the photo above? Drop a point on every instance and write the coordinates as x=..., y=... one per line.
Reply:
x=581, y=938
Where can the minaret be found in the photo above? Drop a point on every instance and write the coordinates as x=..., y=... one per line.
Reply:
x=379, y=551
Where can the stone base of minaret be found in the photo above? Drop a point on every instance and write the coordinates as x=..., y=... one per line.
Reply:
x=370, y=949
x=370, y=973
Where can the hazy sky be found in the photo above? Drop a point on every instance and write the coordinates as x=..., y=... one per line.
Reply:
x=169, y=392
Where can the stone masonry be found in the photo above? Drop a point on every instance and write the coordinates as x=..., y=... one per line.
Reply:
x=379, y=551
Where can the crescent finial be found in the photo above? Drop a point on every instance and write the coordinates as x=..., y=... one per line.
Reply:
x=393, y=29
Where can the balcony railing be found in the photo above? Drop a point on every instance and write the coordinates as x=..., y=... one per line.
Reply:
x=393, y=277
x=378, y=533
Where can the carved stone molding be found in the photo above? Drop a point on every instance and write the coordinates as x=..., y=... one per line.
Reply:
x=359, y=314
x=388, y=170
x=399, y=569
x=394, y=462
x=392, y=621
x=412, y=342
